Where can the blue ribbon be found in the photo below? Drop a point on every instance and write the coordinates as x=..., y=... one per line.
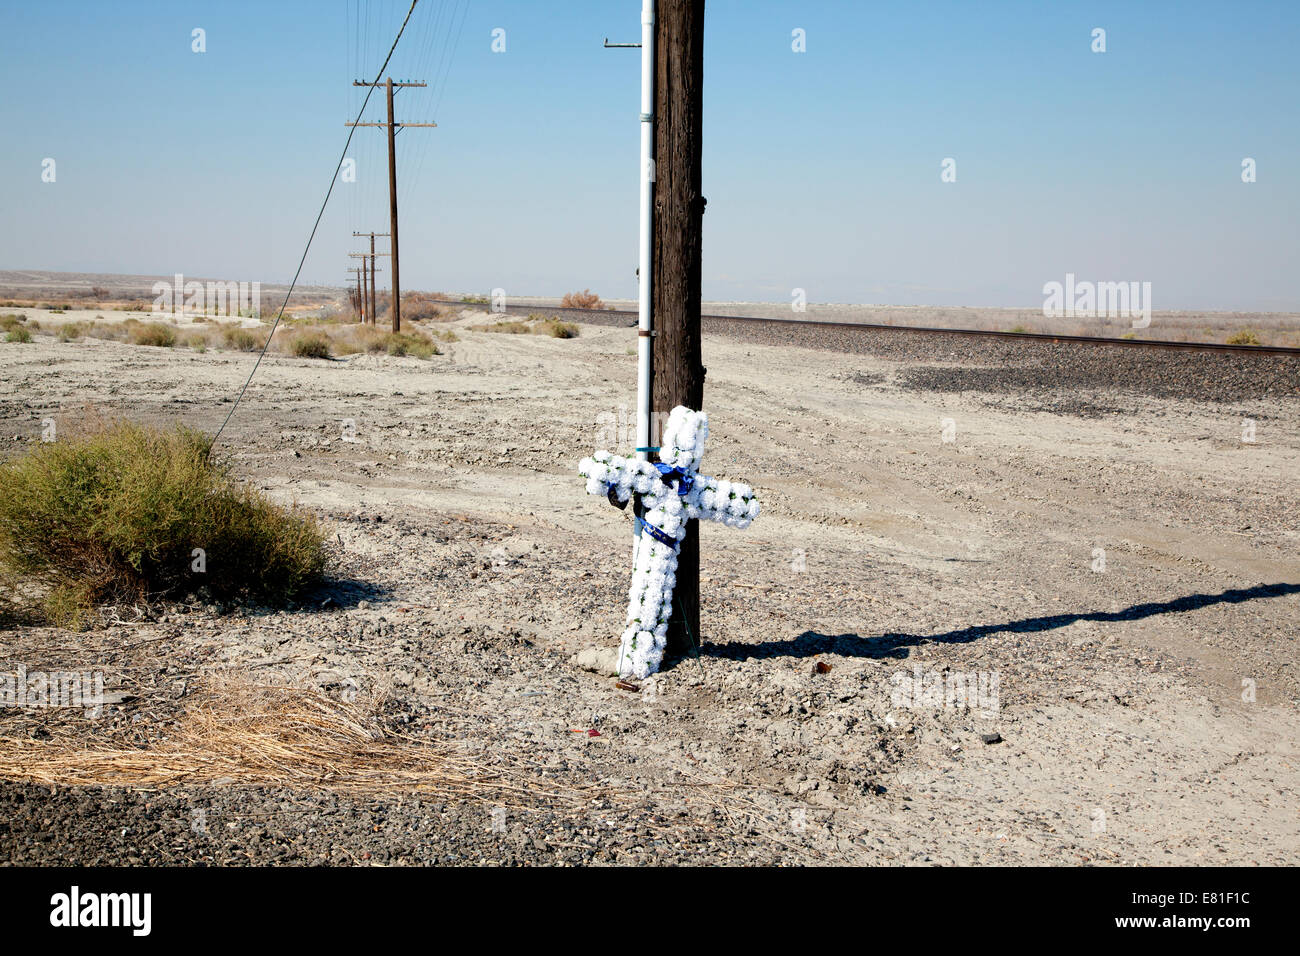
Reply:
x=676, y=476
x=663, y=537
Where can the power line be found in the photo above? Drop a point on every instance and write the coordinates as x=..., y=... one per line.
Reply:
x=333, y=180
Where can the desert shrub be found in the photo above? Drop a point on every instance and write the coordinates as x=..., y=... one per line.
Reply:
x=586, y=299
x=57, y=311
x=113, y=331
x=98, y=292
x=198, y=343
x=153, y=333
x=419, y=307
x=239, y=339
x=310, y=345
x=1244, y=337
x=1018, y=330
x=71, y=331
x=556, y=329
x=114, y=514
x=11, y=321
x=508, y=326
x=412, y=343
x=416, y=344
x=546, y=326
x=18, y=335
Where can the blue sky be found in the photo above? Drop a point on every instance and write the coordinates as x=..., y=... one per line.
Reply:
x=822, y=169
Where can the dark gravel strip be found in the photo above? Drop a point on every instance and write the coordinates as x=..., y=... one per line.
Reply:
x=1007, y=366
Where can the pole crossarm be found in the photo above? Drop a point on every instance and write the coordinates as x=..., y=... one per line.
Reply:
x=397, y=125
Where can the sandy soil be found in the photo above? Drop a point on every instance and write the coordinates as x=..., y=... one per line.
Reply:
x=472, y=566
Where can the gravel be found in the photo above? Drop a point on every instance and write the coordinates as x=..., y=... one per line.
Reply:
x=1023, y=367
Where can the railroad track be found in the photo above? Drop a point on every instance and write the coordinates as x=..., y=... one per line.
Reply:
x=623, y=317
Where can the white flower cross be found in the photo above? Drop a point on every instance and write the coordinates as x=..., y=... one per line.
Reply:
x=666, y=494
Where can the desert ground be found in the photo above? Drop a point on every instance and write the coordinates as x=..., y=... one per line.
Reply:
x=79, y=291
x=1118, y=559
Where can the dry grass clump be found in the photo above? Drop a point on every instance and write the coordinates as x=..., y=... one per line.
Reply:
x=153, y=333
x=71, y=331
x=18, y=335
x=540, y=325
x=115, y=513
x=556, y=329
x=506, y=326
x=586, y=299
x=241, y=340
x=310, y=345
x=1243, y=337
x=418, y=307
x=416, y=344
x=242, y=734
x=352, y=339
x=11, y=321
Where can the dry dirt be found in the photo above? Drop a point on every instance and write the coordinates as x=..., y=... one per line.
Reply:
x=1128, y=577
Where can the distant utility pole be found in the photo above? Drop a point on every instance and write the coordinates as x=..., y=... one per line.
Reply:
x=372, y=267
x=678, y=377
x=359, y=302
x=392, y=126
x=368, y=264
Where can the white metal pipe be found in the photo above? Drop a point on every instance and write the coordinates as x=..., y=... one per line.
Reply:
x=645, y=324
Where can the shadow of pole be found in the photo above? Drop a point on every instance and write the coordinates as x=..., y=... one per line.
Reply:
x=811, y=643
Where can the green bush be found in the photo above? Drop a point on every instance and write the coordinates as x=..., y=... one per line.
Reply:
x=1244, y=337
x=310, y=345
x=18, y=335
x=153, y=333
x=114, y=514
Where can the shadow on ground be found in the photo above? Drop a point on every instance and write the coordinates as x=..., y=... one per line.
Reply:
x=811, y=643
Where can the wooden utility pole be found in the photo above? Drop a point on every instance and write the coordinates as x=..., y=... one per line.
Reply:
x=372, y=268
x=359, y=302
x=368, y=264
x=392, y=125
x=678, y=376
